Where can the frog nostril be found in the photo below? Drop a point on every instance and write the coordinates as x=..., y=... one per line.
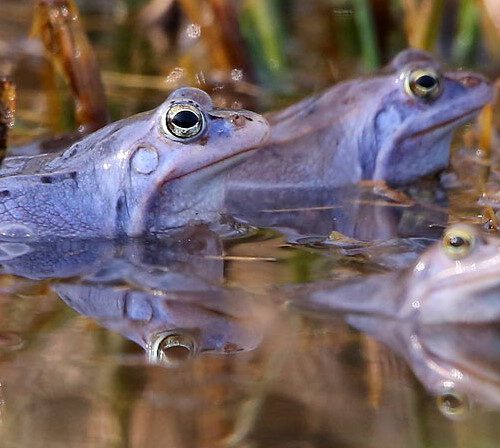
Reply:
x=470, y=81
x=238, y=120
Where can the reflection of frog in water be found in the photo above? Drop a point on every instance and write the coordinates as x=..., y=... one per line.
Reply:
x=164, y=294
x=395, y=126
x=153, y=171
x=441, y=314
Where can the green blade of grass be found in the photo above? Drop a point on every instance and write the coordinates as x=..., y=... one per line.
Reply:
x=363, y=16
x=262, y=28
x=468, y=32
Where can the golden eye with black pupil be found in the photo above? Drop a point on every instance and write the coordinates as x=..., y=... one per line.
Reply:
x=184, y=121
x=425, y=84
x=458, y=243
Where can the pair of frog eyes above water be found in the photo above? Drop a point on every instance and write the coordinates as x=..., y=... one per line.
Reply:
x=183, y=121
x=423, y=83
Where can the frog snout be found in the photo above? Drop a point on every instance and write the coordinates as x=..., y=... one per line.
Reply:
x=471, y=80
x=477, y=85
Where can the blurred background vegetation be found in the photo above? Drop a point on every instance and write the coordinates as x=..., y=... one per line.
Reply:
x=260, y=54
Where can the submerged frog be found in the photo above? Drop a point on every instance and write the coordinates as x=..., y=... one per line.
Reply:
x=395, y=126
x=441, y=315
x=457, y=280
x=108, y=184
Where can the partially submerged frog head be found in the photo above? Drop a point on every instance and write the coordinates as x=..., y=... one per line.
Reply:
x=186, y=135
x=457, y=280
x=441, y=315
x=416, y=108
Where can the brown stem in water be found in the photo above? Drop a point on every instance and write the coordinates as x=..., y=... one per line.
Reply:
x=220, y=30
x=7, y=111
x=57, y=24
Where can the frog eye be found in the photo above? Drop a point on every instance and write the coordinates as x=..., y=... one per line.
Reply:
x=425, y=84
x=183, y=121
x=172, y=349
x=458, y=243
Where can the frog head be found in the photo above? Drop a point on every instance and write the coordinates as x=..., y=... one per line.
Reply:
x=185, y=138
x=417, y=107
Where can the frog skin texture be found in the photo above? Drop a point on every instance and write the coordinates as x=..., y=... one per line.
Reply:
x=111, y=183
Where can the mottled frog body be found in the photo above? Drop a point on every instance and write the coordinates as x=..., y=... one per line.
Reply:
x=395, y=126
x=109, y=183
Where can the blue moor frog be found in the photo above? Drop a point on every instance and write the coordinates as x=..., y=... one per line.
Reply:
x=395, y=126
x=441, y=315
x=457, y=280
x=109, y=183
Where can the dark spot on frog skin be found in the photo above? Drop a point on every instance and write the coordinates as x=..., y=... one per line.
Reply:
x=215, y=117
x=58, y=178
x=204, y=140
x=119, y=204
x=4, y=193
x=121, y=211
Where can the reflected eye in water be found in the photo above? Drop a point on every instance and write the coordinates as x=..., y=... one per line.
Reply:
x=425, y=84
x=453, y=404
x=183, y=121
x=172, y=349
x=458, y=243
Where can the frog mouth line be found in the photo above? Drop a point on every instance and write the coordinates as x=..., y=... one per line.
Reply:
x=235, y=156
x=443, y=124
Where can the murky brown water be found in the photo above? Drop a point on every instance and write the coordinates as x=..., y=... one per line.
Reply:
x=190, y=341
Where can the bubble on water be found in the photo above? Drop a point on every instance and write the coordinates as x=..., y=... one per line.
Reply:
x=237, y=105
x=236, y=74
x=175, y=75
x=193, y=31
